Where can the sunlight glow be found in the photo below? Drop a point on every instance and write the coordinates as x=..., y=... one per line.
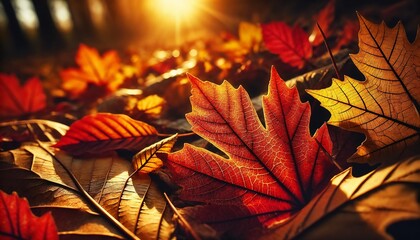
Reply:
x=175, y=8
x=25, y=14
x=61, y=15
x=177, y=15
x=97, y=12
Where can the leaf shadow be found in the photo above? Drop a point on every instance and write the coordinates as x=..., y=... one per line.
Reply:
x=332, y=220
x=92, y=172
x=404, y=230
x=229, y=221
x=148, y=206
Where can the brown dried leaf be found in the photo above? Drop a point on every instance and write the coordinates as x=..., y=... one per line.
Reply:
x=136, y=202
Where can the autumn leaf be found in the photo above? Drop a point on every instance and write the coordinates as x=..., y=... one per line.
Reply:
x=270, y=172
x=150, y=106
x=17, y=100
x=315, y=79
x=290, y=44
x=102, y=132
x=104, y=73
x=14, y=133
x=385, y=107
x=18, y=222
x=249, y=40
x=325, y=19
x=148, y=159
x=368, y=204
x=134, y=201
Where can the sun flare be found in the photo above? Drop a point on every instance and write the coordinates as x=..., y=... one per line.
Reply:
x=174, y=9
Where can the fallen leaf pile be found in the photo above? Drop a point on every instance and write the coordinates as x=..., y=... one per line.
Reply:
x=127, y=145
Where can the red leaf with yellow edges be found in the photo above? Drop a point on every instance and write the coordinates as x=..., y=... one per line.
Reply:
x=270, y=172
x=102, y=72
x=290, y=44
x=17, y=100
x=18, y=222
x=104, y=132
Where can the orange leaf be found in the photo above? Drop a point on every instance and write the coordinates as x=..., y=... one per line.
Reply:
x=93, y=70
x=17, y=100
x=291, y=44
x=250, y=35
x=18, y=222
x=270, y=172
x=385, y=107
x=148, y=159
x=151, y=105
x=103, y=132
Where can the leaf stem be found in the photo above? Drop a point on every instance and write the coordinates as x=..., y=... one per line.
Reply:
x=182, y=219
x=331, y=158
x=121, y=228
x=337, y=72
x=188, y=134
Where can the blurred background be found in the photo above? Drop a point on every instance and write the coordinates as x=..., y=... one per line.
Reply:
x=157, y=41
x=45, y=27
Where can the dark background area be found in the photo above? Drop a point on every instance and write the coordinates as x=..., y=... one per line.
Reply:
x=132, y=24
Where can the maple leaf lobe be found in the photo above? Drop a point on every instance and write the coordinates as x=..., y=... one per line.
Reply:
x=18, y=222
x=17, y=100
x=103, y=73
x=269, y=172
x=290, y=43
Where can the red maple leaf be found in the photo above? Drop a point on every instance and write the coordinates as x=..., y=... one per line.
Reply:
x=290, y=44
x=18, y=222
x=17, y=100
x=270, y=172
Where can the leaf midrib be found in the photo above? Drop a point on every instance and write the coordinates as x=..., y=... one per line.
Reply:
x=417, y=129
x=412, y=99
x=302, y=57
x=296, y=200
x=354, y=196
x=236, y=185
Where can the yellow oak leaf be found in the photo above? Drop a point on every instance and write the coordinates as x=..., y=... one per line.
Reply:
x=385, y=107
